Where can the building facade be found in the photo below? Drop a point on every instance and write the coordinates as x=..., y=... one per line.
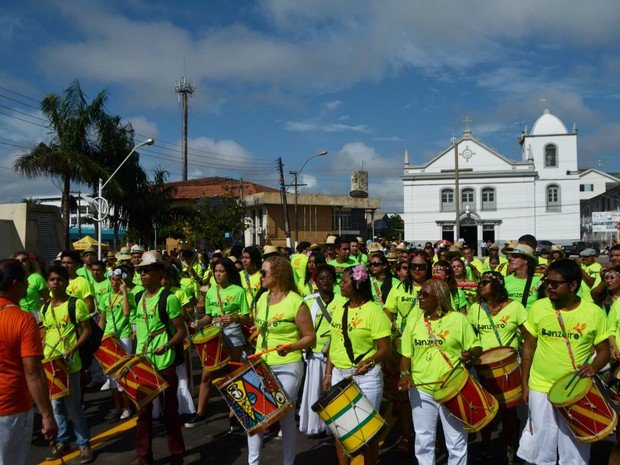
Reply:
x=471, y=191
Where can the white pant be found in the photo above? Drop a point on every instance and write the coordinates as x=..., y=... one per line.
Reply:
x=15, y=438
x=371, y=383
x=550, y=435
x=289, y=376
x=425, y=411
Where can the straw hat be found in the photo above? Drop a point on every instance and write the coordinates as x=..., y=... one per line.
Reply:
x=270, y=250
x=152, y=257
x=557, y=248
x=374, y=247
x=392, y=257
x=508, y=246
x=455, y=251
x=136, y=248
x=330, y=240
x=525, y=250
x=123, y=254
x=314, y=246
x=402, y=247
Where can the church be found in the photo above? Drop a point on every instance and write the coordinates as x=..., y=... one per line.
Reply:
x=471, y=192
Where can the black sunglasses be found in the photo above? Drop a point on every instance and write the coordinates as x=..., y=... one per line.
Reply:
x=417, y=266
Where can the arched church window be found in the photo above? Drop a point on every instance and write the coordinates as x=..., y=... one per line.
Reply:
x=551, y=156
x=447, y=200
x=553, y=199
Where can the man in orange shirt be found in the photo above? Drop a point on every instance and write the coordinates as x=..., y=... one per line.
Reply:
x=22, y=378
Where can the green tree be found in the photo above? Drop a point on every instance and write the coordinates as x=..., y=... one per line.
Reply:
x=395, y=228
x=70, y=155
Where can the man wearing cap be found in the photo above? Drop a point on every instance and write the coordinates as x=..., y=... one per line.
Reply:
x=493, y=250
x=563, y=332
x=136, y=257
x=330, y=248
x=156, y=339
x=343, y=259
x=590, y=274
x=89, y=255
x=123, y=255
x=522, y=285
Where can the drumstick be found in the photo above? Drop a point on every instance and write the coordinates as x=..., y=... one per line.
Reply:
x=576, y=373
x=426, y=384
x=58, y=351
x=194, y=321
x=451, y=373
x=258, y=354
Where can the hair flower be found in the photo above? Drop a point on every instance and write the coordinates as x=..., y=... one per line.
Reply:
x=359, y=273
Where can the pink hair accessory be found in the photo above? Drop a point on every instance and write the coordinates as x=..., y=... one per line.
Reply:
x=359, y=273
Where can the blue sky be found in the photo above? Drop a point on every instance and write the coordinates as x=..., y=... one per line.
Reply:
x=364, y=80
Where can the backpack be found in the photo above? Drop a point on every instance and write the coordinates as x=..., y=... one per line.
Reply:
x=179, y=357
x=88, y=350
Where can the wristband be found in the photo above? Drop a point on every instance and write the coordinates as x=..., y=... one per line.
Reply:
x=405, y=373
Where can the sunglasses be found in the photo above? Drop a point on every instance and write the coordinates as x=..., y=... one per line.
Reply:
x=23, y=260
x=263, y=273
x=553, y=284
x=418, y=266
x=425, y=295
x=375, y=263
x=484, y=282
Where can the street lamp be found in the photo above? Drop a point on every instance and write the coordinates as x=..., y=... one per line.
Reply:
x=102, y=204
x=296, y=174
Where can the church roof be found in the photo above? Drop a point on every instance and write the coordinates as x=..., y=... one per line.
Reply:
x=548, y=124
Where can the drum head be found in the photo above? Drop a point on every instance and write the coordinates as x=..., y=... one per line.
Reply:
x=559, y=396
x=453, y=382
x=497, y=354
x=330, y=395
x=207, y=334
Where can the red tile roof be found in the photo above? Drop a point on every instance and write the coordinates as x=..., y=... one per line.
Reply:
x=215, y=187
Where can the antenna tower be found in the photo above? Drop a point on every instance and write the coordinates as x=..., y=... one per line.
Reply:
x=184, y=89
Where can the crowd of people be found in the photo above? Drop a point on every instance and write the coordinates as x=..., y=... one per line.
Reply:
x=413, y=326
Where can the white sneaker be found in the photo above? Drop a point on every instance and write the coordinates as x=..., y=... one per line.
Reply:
x=106, y=386
x=125, y=413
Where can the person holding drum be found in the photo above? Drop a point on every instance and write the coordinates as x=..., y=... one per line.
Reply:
x=322, y=304
x=158, y=341
x=562, y=333
x=360, y=339
x=225, y=307
x=497, y=320
x=435, y=342
x=116, y=309
x=285, y=329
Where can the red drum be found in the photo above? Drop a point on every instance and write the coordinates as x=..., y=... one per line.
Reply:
x=140, y=380
x=211, y=348
x=111, y=354
x=466, y=400
x=255, y=396
x=57, y=376
x=499, y=373
x=583, y=407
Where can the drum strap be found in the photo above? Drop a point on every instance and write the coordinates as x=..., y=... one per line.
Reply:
x=434, y=339
x=486, y=310
x=526, y=291
x=403, y=318
x=252, y=293
x=564, y=333
x=326, y=314
x=111, y=304
x=347, y=340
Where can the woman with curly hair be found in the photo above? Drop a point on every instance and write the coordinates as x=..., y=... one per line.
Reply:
x=309, y=284
x=443, y=270
x=284, y=324
x=435, y=340
x=360, y=339
x=497, y=320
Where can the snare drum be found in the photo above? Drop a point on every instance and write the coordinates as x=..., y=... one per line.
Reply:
x=350, y=416
x=499, y=373
x=255, y=396
x=466, y=400
x=583, y=407
x=57, y=376
x=140, y=380
x=111, y=354
x=211, y=348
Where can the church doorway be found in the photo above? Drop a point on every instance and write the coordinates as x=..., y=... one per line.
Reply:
x=469, y=232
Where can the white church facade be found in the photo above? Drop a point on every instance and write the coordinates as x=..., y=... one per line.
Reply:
x=490, y=197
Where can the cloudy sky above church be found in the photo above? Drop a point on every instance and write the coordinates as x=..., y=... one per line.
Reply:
x=364, y=80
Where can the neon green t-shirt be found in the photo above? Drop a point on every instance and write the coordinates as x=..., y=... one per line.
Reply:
x=401, y=304
x=340, y=267
x=376, y=290
x=150, y=331
x=80, y=287
x=32, y=300
x=322, y=327
x=251, y=286
x=60, y=333
x=613, y=319
x=277, y=326
x=298, y=263
x=365, y=324
x=507, y=322
x=111, y=304
x=594, y=271
x=233, y=301
x=180, y=294
x=101, y=289
x=453, y=333
x=516, y=286
x=586, y=327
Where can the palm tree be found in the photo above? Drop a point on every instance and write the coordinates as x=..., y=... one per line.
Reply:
x=70, y=155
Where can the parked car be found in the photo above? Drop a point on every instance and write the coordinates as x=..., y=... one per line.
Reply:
x=577, y=247
x=542, y=245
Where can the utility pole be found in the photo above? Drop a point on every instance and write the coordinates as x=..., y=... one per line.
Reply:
x=184, y=89
x=287, y=228
x=296, y=214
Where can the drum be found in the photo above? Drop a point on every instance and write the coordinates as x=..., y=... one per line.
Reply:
x=140, y=380
x=466, y=400
x=350, y=416
x=111, y=354
x=255, y=396
x=57, y=376
x=583, y=407
x=499, y=373
x=211, y=348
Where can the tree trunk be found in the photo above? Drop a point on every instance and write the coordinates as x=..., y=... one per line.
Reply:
x=66, y=210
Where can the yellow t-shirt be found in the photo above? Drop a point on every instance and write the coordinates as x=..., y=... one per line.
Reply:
x=322, y=327
x=60, y=333
x=594, y=271
x=586, y=327
x=613, y=319
x=507, y=323
x=111, y=304
x=376, y=289
x=365, y=324
x=401, y=304
x=251, y=285
x=453, y=333
x=516, y=287
x=81, y=288
x=276, y=324
x=298, y=263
